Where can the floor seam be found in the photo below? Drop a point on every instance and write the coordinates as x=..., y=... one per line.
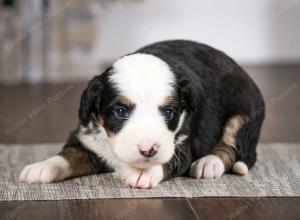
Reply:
x=192, y=208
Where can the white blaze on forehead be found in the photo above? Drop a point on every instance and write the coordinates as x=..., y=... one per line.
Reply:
x=143, y=77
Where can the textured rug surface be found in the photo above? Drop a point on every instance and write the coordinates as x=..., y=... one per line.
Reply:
x=276, y=173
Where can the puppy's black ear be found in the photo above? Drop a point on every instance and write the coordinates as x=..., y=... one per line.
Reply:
x=189, y=99
x=90, y=100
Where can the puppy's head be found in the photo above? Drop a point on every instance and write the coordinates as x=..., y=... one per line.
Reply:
x=139, y=106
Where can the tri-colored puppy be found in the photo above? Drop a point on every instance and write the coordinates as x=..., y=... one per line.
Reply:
x=169, y=109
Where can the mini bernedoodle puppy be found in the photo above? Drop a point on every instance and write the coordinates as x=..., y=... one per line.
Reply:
x=170, y=109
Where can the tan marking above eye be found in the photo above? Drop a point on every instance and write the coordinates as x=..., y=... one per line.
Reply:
x=167, y=101
x=126, y=101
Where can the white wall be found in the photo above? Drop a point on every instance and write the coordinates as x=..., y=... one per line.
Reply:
x=251, y=31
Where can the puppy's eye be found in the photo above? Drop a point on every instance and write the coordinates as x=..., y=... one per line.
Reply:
x=168, y=113
x=120, y=113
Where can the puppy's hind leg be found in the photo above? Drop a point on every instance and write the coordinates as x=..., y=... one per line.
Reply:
x=246, y=143
x=236, y=151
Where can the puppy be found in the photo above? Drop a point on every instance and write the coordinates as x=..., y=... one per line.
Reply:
x=169, y=109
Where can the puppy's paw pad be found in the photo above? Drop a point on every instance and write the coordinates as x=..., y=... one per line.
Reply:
x=207, y=167
x=51, y=170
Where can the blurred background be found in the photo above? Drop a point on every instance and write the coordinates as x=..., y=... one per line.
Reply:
x=71, y=40
x=50, y=48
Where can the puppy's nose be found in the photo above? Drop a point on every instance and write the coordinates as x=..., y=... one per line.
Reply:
x=148, y=149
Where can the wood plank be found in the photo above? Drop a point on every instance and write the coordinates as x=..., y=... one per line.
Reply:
x=247, y=208
x=146, y=209
x=50, y=113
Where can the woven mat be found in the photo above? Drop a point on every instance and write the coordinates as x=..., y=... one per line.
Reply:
x=277, y=173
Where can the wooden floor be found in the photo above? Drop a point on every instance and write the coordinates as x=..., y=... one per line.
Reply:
x=45, y=113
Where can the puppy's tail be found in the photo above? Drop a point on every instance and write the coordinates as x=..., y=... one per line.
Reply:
x=240, y=168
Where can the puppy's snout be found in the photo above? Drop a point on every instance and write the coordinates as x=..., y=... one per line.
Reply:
x=148, y=149
x=149, y=153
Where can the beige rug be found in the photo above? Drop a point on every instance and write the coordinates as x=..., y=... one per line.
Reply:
x=277, y=173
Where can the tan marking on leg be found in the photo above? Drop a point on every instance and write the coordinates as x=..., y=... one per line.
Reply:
x=231, y=128
x=226, y=153
x=78, y=161
x=226, y=148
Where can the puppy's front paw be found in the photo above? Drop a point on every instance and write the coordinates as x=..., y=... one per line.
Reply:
x=54, y=169
x=207, y=167
x=142, y=179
